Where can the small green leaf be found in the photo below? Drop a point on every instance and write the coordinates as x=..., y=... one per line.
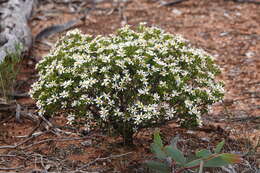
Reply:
x=215, y=162
x=219, y=146
x=231, y=158
x=157, y=150
x=175, y=154
x=159, y=166
x=157, y=139
x=157, y=146
x=222, y=160
x=193, y=163
x=203, y=153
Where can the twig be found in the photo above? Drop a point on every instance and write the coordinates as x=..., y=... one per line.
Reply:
x=244, y=118
x=8, y=107
x=104, y=158
x=6, y=169
x=18, y=113
x=247, y=1
x=21, y=143
x=56, y=140
x=163, y=3
x=8, y=155
x=19, y=95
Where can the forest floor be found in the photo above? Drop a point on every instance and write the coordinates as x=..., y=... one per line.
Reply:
x=228, y=30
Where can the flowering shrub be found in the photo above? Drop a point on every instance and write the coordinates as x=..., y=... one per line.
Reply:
x=127, y=81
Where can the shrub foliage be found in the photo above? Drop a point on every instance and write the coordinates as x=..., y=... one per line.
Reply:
x=129, y=80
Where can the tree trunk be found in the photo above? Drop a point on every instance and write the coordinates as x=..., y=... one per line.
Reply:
x=14, y=29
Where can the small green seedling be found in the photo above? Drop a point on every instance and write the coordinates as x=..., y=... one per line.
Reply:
x=171, y=159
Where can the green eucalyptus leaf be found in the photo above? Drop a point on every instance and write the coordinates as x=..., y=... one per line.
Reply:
x=203, y=153
x=193, y=163
x=175, y=154
x=216, y=162
x=157, y=139
x=157, y=150
x=231, y=158
x=158, y=166
x=222, y=160
x=219, y=146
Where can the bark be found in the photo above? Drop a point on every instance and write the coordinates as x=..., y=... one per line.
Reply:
x=14, y=29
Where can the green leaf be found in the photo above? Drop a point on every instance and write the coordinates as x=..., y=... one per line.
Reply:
x=222, y=160
x=193, y=163
x=157, y=146
x=231, y=158
x=159, y=166
x=157, y=139
x=203, y=153
x=219, y=146
x=157, y=150
x=175, y=154
x=215, y=162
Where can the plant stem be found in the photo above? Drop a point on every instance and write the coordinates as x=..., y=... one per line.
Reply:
x=201, y=166
x=2, y=83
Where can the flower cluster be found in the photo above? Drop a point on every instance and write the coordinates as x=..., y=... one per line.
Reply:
x=132, y=78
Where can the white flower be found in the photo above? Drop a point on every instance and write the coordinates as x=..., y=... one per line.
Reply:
x=64, y=94
x=156, y=97
x=67, y=83
x=103, y=113
x=70, y=118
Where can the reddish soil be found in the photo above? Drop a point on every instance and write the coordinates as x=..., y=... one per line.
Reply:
x=230, y=31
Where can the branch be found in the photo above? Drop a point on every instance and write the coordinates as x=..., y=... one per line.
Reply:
x=247, y=1
x=105, y=158
x=163, y=3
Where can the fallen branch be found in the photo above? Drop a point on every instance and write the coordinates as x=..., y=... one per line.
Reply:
x=247, y=1
x=21, y=143
x=249, y=118
x=163, y=3
x=6, y=169
x=54, y=140
x=15, y=30
x=104, y=158
x=57, y=28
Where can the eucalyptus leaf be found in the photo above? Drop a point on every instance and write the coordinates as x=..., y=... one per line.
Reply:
x=203, y=153
x=157, y=150
x=175, y=154
x=157, y=139
x=223, y=160
x=193, y=163
x=219, y=146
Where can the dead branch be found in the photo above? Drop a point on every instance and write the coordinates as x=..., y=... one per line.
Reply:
x=249, y=118
x=54, y=140
x=104, y=158
x=57, y=28
x=23, y=142
x=247, y=1
x=14, y=28
x=163, y=3
x=6, y=169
